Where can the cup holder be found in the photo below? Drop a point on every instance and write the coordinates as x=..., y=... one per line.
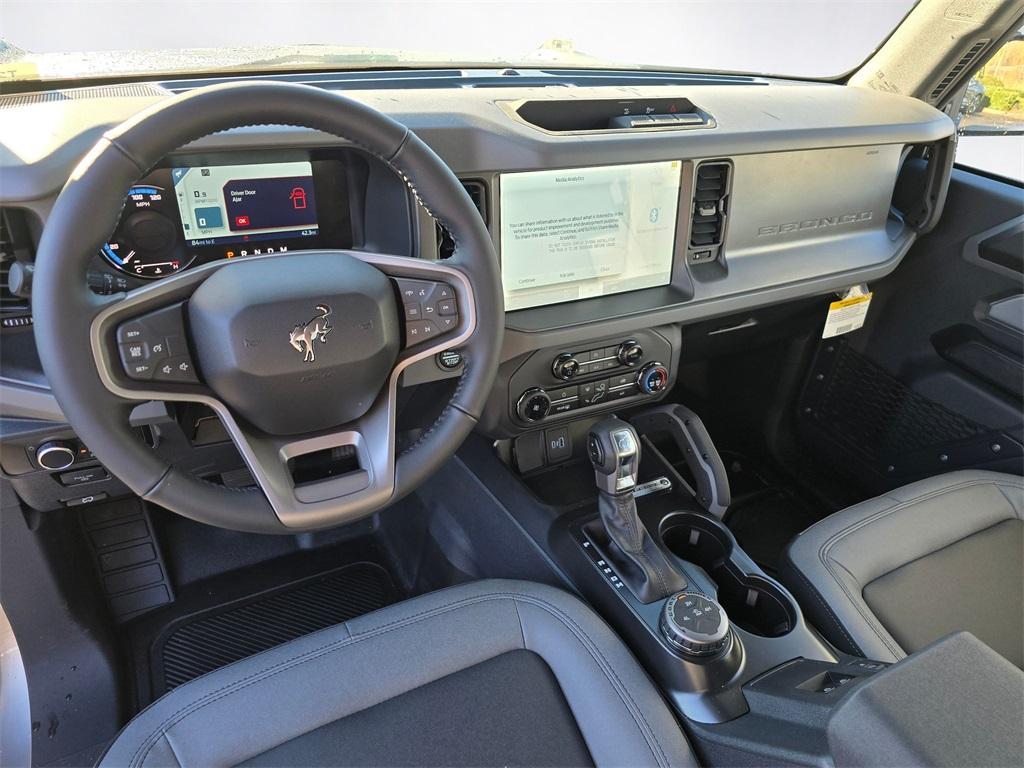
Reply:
x=753, y=603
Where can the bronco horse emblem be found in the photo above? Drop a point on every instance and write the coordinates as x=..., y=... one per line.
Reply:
x=307, y=333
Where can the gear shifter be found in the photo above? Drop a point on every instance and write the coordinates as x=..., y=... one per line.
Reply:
x=614, y=450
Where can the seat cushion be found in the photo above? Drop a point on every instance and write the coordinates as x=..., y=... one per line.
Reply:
x=886, y=577
x=489, y=673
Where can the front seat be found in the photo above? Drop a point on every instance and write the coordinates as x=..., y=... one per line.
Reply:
x=488, y=673
x=886, y=577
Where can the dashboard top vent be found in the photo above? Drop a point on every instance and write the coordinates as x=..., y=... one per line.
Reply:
x=478, y=78
x=14, y=243
x=128, y=90
x=953, y=76
x=477, y=191
x=710, y=208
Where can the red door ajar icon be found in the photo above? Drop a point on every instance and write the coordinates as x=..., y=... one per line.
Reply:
x=298, y=198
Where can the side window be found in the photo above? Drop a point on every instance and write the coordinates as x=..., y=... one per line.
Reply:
x=991, y=119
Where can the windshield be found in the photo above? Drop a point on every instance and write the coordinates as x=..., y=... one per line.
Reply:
x=58, y=40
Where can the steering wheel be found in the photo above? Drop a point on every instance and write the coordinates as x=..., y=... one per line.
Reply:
x=296, y=353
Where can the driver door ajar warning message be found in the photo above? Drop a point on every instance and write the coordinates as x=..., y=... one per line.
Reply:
x=570, y=234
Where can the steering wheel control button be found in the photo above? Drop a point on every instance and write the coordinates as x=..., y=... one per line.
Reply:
x=653, y=378
x=694, y=624
x=533, y=405
x=175, y=369
x=429, y=307
x=55, y=455
x=147, y=341
x=420, y=331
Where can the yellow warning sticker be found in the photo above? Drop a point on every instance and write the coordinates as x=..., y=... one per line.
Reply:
x=846, y=315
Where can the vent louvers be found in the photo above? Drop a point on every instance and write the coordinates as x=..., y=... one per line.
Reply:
x=10, y=232
x=710, y=197
x=954, y=74
x=477, y=192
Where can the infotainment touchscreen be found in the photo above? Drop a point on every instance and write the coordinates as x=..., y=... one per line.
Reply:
x=584, y=232
x=223, y=204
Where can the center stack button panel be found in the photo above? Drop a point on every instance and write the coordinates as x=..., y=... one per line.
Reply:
x=561, y=383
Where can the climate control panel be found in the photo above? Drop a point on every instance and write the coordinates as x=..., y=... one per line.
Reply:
x=556, y=383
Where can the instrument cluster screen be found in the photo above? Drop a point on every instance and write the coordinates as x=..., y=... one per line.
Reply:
x=239, y=204
x=585, y=232
x=180, y=216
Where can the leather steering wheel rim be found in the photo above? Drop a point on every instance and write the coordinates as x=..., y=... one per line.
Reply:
x=86, y=213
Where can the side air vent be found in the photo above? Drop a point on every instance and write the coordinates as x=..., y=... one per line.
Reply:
x=14, y=246
x=940, y=91
x=710, y=210
x=477, y=192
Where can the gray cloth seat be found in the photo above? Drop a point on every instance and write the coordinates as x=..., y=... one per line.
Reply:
x=886, y=577
x=489, y=673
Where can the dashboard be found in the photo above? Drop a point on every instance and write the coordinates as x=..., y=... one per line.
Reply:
x=622, y=209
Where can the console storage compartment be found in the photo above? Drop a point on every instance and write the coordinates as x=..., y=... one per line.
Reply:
x=753, y=602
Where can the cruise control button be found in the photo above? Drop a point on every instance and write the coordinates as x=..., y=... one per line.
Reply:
x=136, y=351
x=175, y=369
x=133, y=331
x=141, y=371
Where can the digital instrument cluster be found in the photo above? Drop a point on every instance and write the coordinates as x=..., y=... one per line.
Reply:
x=183, y=215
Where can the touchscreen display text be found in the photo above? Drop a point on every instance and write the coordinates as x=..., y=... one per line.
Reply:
x=579, y=233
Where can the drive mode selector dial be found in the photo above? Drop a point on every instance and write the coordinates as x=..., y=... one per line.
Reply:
x=694, y=624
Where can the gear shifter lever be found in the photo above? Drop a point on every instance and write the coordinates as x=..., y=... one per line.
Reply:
x=614, y=450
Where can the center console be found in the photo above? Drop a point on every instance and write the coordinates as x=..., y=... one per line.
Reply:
x=727, y=644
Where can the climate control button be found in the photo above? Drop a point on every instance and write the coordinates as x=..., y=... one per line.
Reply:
x=534, y=405
x=630, y=352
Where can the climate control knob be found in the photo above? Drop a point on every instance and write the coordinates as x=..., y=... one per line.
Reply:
x=55, y=455
x=565, y=366
x=652, y=378
x=533, y=405
x=630, y=352
x=694, y=624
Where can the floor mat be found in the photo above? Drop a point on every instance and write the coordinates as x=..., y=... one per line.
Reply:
x=220, y=636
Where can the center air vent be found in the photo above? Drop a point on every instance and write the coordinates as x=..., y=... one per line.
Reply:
x=710, y=209
x=477, y=192
x=14, y=246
